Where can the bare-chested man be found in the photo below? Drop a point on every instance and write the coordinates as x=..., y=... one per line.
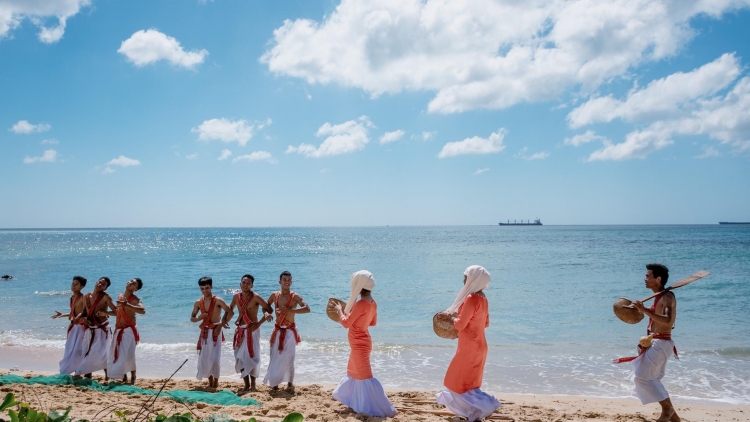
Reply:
x=650, y=365
x=285, y=337
x=247, y=334
x=211, y=337
x=121, y=358
x=96, y=338
x=73, y=353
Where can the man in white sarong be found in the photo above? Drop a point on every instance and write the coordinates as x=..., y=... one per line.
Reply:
x=247, y=334
x=125, y=337
x=73, y=353
x=285, y=336
x=651, y=363
x=95, y=345
x=211, y=336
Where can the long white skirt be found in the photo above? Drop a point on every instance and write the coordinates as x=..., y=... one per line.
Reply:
x=243, y=363
x=364, y=396
x=96, y=360
x=73, y=353
x=125, y=354
x=281, y=365
x=648, y=370
x=209, y=358
x=474, y=404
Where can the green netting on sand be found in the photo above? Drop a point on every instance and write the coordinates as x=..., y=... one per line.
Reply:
x=224, y=398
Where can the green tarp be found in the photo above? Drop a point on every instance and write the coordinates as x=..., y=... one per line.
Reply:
x=224, y=398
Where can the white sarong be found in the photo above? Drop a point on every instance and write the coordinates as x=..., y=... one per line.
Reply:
x=125, y=354
x=209, y=358
x=96, y=359
x=364, y=396
x=648, y=370
x=474, y=404
x=243, y=363
x=281, y=365
x=73, y=353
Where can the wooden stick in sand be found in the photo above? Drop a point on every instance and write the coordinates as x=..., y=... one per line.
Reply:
x=135, y=419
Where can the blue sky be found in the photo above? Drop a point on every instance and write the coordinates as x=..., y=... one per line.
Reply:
x=325, y=113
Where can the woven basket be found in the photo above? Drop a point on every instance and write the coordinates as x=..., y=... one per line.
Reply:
x=331, y=311
x=626, y=312
x=443, y=326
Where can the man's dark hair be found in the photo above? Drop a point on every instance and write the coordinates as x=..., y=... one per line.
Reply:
x=140, y=283
x=284, y=273
x=659, y=270
x=206, y=281
x=80, y=279
x=106, y=279
x=252, y=279
x=364, y=292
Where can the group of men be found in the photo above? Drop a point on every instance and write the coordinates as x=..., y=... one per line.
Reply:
x=91, y=345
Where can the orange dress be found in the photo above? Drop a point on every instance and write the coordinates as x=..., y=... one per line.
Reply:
x=467, y=367
x=364, y=314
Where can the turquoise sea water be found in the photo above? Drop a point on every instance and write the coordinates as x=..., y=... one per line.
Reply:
x=552, y=328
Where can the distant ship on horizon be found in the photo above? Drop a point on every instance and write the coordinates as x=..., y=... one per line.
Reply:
x=536, y=222
x=734, y=222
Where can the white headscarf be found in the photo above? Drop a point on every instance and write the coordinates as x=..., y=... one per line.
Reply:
x=477, y=278
x=362, y=279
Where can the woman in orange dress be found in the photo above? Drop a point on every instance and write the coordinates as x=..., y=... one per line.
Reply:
x=359, y=390
x=470, y=314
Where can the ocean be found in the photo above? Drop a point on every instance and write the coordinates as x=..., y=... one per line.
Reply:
x=552, y=329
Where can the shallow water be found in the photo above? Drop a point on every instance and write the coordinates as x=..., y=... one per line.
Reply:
x=552, y=327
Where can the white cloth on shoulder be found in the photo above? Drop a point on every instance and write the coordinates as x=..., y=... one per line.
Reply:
x=362, y=279
x=243, y=363
x=648, y=370
x=364, y=396
x=209, y=357
x=474, y=404
x=96, y=359
x=477, y=278
x=281, y=364
x=125, y=354
x=73, y=354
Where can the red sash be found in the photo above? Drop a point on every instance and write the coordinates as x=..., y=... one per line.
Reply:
x=104, y=326
x=240, y=331
x=72, y=314
x=207, y=324
x=123, y=321
x=280, y=327
x=659, y=336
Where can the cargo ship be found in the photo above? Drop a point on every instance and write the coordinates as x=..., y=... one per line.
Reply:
x=734, y=222
x=536, y=222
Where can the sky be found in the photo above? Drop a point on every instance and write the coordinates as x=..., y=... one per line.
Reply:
x=237, y=113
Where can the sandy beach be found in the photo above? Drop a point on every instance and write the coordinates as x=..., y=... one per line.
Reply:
x=315, y=403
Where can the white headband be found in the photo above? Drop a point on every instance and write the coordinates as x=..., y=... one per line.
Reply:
x=477, y=278
x=360, y=280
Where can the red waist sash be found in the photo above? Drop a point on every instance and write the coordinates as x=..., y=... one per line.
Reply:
x=281, y=331
x=240, y=331
x=123, y=322
x=642, y=350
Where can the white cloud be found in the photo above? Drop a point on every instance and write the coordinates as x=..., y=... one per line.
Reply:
x=123, y=161
x=24, y=127
x=538, y=156
x=108, y=170
x=50, y=142
x=484, y=53
x=343, y=138
x=475, y=145
x=480, y=171
x=709, y=152
x=426, y=136
x=192, y=156
x=584, y=138
x=13, y=13
x=150, y=46
x=664, y=97
x=226, y=130
x=49, y=156
x=225, y=153
x=637, y=144
x=394, y=136
x=256, y=156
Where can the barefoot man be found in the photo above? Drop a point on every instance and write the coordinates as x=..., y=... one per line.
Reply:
x=211, y=337
x=650, y=364
x=73, y=354
x=95, y=344
x=125, y=337
x=285, y=337
x=247, y=335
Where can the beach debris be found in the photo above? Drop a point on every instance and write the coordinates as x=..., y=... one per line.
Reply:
x=626, y=312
